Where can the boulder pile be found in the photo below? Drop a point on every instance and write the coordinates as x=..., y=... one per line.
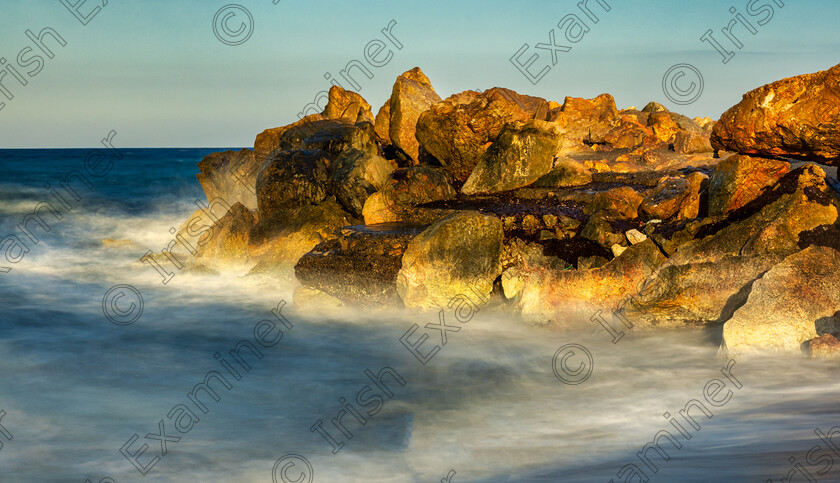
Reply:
x=553, y=212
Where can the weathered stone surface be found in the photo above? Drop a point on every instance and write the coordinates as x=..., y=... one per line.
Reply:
x=382, y=121
x=793, y=302
x=663, y=126
x=707, y=278
x=523, y=152
x=355, y=175
x=339, y=111
x=348, y=106
x=227, y=246
x=536, y=107
x=689, y=143
x=412, y=95
x=360, y=265
x=562, y=298
x=335, y=138
x=231, y=176
x=566, y=172
x=674, y=197
x=826, y=346
x=738, y=179
x=407, y=188
x=795, y=117
x=629, y=134
x=458, y=130
x=292, y=179
x=620, y=203
x=459, y=255
x=586, y=120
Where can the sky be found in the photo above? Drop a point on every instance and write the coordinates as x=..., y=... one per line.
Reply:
x=159, y=73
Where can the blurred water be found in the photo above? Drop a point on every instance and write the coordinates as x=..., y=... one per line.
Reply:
x=76, y=387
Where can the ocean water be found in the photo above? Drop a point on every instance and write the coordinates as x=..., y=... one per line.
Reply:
x=491, y=405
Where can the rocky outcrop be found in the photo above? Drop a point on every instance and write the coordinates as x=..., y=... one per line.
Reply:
x=457, y=131
x=407, y=188
x=360, y=265
x=231, y=176
x=523, y=152
x=459, y=255
x=412, y=95
x=291, y=180
x=793, y=302
x=737, y=180
x=796, y=117
x=227, y=246
x=355, y=175
x=586, y=120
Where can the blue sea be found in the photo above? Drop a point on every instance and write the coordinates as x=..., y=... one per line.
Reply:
x=90, y=394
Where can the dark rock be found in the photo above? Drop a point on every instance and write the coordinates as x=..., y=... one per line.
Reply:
x=231, y=176
x=355, y=175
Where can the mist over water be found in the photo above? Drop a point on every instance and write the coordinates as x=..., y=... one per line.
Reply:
x=489, y=406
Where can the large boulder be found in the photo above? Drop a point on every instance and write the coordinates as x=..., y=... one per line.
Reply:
x=336, y=137
x=406, y=188
x=356, y=175
x=412, y=95
x=565, y=173
x=674, y=197
x=536, y=107
x=793, y=302
x=458, y=130
x=796, y=117
x=738, y=179
x=343, y=107
x=586, y=120
x=231, y=176
x=563, y=298
x=360, y=265
x=292, y=179
x=523, y=152
x=459, y=255
x=710, y=276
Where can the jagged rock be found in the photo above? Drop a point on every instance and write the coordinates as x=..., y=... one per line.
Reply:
x=382, y=121
x=459, y=255
x=678, y=197
x=335, y=138
x=360, y=265
x=348, y=106
x=826, y=346
x=738, y=179
x=663, y=126
x=227, y=246
x=536, y=107
x=691, y=143
x=292, y=179
x=523, y=152
x=340, y=104
x=458, y=130
x=795, y=117
x=407, y=188
x=355, y=175
x=562, y=298
x=412, y=95
x=652, y=107
x=710, y=276
x=629, y=134
x=586, y=120
x=620, y=203
x=566, y=172
x=793, y=302
x=231, y=176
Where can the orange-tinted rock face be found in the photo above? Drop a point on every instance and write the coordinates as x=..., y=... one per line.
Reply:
x=797, y=117
x=412, y=95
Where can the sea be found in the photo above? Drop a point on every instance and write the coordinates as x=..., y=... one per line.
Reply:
x=98, y=359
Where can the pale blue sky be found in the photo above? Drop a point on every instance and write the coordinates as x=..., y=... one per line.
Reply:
x=154, y=71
